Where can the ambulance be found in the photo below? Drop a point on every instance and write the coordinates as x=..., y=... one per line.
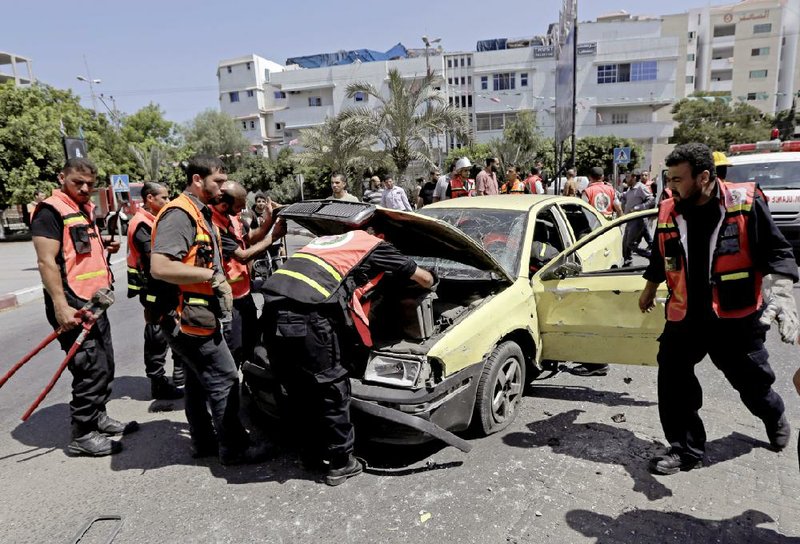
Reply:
x=775, y=166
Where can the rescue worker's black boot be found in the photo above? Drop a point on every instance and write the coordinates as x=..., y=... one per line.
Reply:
x=673, y=462
x=94, y=444
x=109, y=426
x=161, y=389
x=341, y=471
x=779, y=433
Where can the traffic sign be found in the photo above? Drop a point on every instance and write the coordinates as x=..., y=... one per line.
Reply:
x=120, y=183
x=622, y=155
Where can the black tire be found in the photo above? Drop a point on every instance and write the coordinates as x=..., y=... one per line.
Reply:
x=500, y=389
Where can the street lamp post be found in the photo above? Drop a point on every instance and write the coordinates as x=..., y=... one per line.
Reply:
x=428, y=43
x=92, y=83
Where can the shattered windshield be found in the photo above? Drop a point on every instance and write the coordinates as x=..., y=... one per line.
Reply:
x=499, y=232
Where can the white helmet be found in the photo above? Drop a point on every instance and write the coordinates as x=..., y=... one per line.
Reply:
x=463, y=162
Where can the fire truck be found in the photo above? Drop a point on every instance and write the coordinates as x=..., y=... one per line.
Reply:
x=775, y=166
x=114, y=210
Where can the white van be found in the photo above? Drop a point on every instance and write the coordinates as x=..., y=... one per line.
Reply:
x=775, y=166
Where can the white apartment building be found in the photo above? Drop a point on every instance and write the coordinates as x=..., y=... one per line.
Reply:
x=11, y=69
x=629, y=72
x=748, y=50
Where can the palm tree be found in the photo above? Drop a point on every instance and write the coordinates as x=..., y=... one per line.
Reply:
x=404, y=121
x=341, y=147
x=149, y=161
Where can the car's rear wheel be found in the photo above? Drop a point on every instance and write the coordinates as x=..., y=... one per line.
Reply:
x=500, y=389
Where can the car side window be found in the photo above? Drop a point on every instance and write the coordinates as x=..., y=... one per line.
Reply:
x=546, y=230
x=582, y=220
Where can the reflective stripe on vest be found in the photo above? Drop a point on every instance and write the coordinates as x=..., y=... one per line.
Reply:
x=84, y=273
x=137, y=275
x=314, y=274
x=458, y=188
x=201, y=320
x=602, y=197
x=517, y=188
x=732, y=261
x=238, y=274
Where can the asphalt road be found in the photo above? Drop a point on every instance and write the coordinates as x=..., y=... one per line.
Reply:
x=566, y=471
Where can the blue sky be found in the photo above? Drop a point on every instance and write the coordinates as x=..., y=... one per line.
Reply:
x=167, y=51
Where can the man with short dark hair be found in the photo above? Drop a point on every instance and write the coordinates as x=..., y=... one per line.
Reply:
x=73, y=266
x=534, y=182
x=428, y=187
x=636, y=198
x=394, y=197
x=513, y=185
x=186, y=253
x=601, y=195
x=714, y=243
x=142, y=285
x=339, y=189
x=486, y=180
x=374, y=195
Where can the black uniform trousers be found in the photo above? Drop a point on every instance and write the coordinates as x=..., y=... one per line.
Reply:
x=242, y=331
x=92, y=370
x=736, y=347
x=304, y=353
x=212, y=390
x=634, y=230
x=156, y=347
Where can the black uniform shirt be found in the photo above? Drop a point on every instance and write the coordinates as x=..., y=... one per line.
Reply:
x=771, y=252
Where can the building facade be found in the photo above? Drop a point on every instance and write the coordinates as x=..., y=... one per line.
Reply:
x=15, y=68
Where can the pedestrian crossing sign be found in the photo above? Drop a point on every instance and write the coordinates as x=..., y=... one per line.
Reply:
x=120, y=183
x=622, y=155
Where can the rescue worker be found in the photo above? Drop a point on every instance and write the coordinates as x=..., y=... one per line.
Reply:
x=140, y=284
x=71, y=256
x=460, y=183
x=316, y=312
x=186, y=253
x=240, y=246
x=714, y=243
x=513, y=185
x=601, y=195
x=721, y=164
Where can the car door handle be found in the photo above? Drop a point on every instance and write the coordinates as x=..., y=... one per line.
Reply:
x=661, y=300
x=606, y=252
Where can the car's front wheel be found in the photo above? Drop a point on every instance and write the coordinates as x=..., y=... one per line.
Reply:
x=500, y=389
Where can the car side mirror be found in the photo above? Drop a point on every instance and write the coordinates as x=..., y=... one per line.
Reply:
x=561, y=271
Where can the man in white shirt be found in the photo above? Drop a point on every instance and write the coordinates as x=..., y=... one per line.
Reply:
x=394, y=197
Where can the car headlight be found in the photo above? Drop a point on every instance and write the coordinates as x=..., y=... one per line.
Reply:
x=392, y=371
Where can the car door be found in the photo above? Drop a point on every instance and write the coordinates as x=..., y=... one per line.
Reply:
x=591, y=314
x=583, y=220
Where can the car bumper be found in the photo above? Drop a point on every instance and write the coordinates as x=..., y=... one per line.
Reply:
x=382, y=413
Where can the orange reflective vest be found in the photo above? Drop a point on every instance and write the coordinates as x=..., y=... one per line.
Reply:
x=459, y=188
x=735, y=283
x=85, y=268
x=315, y=274
x=237, y=273
x=602, y=197
x=138, y=276
x=197, y=305
x=516, y=188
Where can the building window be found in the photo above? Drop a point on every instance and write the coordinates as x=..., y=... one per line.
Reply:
x=279, y=94
x=764, y=28
x=523, y=80
x=278, y=126
x=690, y=57
x=644, y=71
x=449, y=63
x=360, y=96
x=759, y=52
x=234, y=96
x=484, y=83
x=462, y=62
x=758, y=74
x=252, y=124
x=724, y=30
x=469, y=80
x=469, y=61
x=493, y=121
x=607, y=73
x=315, y=101
x=691, y=35
x=250, y=93
x=690, y=80
x=248, y=65
x=229, y=69
x=266, y=74
x=469, y=100
x=619, y=118
x=449, y=80
x=621, y=73
x=463, y=80
x=752, y=96
x=503, y=82
x=244, y=125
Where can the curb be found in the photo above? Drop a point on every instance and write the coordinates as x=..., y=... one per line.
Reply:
x=15, y=299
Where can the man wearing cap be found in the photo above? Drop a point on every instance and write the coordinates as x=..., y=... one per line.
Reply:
x=601, y=195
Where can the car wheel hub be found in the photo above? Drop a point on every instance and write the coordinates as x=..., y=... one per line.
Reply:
x=508, y=387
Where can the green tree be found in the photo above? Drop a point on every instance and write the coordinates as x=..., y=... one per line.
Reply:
x=342, y=145
x=148, y=126
x=599, y=151
x=476, y=152
x=256, y=173
x=786, y=121
x=713, y=121
x=215, y=133
x=404, y=121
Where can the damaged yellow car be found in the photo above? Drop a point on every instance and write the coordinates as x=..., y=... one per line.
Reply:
x=462, y=356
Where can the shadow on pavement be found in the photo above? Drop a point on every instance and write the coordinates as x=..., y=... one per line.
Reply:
x=131, y=387
x=650, y=526
x=580, y=393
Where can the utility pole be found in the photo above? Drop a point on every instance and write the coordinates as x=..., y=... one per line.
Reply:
x=92, y=82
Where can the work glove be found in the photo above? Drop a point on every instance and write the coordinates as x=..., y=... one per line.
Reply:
x=222, y=290
x=435, y=283
x=781, y=307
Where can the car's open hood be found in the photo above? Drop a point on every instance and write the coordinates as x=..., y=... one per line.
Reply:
x=411, y=233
